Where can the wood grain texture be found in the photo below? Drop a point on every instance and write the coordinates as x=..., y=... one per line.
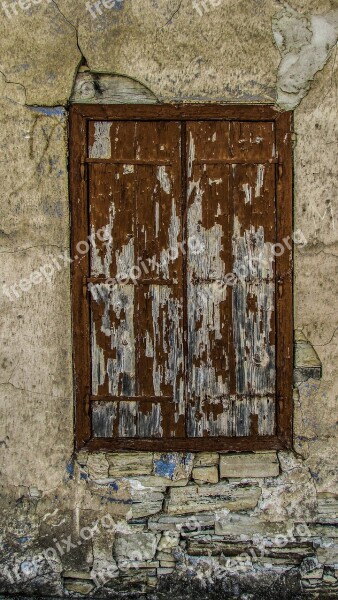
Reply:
x=137, y=329
x=226, y=384
x=284, y=279
x=80, y=312
x=102, y=88
x=231, y=216
x=178, y=112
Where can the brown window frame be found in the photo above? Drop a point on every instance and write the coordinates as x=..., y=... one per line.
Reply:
x=80, y=115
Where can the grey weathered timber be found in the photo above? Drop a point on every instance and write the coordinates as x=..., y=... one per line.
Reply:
x=101, y=88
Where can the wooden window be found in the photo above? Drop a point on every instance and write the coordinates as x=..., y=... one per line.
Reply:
x=182, y=308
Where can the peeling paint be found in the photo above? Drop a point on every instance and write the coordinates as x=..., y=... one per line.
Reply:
x=117, y=323
x=164, y=180
x=260, y=180
x=305, y=43
x=102, y=144
x=167, y=339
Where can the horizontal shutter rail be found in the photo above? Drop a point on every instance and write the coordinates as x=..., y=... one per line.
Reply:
x=128, y=161
x=148, y=399
x=219, y=444
x=177, y=112
x=108, y=280
x=155, y=399
x=236, y=161
x=244, y=279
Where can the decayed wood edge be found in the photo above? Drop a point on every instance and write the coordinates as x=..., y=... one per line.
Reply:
x=79, y=115
x=177, y=112
x=106, y=88
x=218, y=444
x=284, y=281
x=79, y=269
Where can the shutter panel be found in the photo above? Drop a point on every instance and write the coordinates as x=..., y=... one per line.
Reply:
x=137, y=314
x=231, y=217
x=185, y=339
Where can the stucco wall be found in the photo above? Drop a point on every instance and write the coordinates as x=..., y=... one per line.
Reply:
x=239, y=51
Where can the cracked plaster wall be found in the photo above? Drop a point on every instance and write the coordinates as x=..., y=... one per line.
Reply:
x=240, y=51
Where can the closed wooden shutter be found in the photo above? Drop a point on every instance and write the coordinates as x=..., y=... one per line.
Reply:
x=183, y=327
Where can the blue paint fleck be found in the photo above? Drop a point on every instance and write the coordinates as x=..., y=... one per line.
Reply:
x=119, y=4
x=83, y=476
x=53, y=111
x=166, y=465
x=114, y=485
x=24, y=540
x=70, y=468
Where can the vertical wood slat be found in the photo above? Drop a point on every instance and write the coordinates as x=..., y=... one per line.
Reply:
x=79, y=270
x=149, y=196
x=284, y=274
x=245, y=216
x=283, y=287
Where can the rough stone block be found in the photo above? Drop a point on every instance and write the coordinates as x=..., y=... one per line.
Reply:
x=193, y=499
x=97, y=466
x=130, y=463
x=206, y=547
x=167, y=564
x=78, y=586
x=135, y=546
x=205, y=474
x=154, y=481
x=179, y=523
x=328, y=555
x=168, y=541
x=173, y=465
x=258, y=464
x=307, y=363
x=316, y=530
x=164, y=571
x=314, y=574
x=167, y=556
x=146, y=501
x=327, y=511
x=206, y=459
x=107, y=496
x=247, y=527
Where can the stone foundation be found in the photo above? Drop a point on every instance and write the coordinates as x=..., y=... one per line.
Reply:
x=146, y=524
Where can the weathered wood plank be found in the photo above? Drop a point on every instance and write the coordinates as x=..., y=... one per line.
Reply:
x=232, y=416
x=231, y=214
x=254, y=334
x=102, y=88
x=137, y=339
x=113, y=340
x=104, y=417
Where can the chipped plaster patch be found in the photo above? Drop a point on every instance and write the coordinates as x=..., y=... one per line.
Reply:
x=305, y=43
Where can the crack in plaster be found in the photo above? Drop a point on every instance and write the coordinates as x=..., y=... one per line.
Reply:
x=173, y=15
x=330, y=340
x=33, y=392
x=33, y=248
x=8, y=82
x=305, y=43
x=83, y=58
